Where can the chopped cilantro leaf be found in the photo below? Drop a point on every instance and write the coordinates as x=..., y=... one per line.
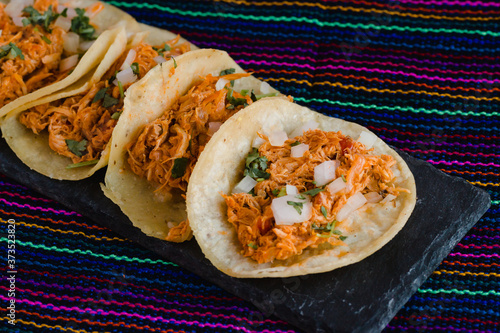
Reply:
x=100, y=95
x=256, y=165
x=116, y=115
x=120, y=86
x=253, y=246
x=296, y=143
x=343, y=178
x=266, y=95
x=244, y=92
x=282, y=192
x=160, y=51
x=342, y=238
x=46, y=40
x=180, y=166
x=175, y=62
x=81, y=164
x=253, y=97
x=227, y=71
x=36, y=18
x=11, y=51
x=297, y=205
x=323, y=211
x=300, y=196
x=77, y=147
x=81, y=25
x=314, y=191
x=135, y=68
x=109, y=101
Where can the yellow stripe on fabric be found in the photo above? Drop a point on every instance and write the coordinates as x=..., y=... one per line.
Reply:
x=443, y=271
x=397, y=91
x=358, y=10
x=32, y=323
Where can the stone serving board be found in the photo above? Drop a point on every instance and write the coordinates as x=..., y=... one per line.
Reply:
x=362, y=297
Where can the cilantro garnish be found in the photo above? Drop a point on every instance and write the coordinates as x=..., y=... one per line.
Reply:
x=227, y=71
x=81, y=164
x=46, y=40
x=323, y=211
x=256, y=165
x=180, y=166
x=343, y=178
x=36, y=18
x=266, y=95
x=108, y=100
x=135, y=68
x=253, y=97
x=297, y=205
x=296, y=143
x=253, y=246
x=120, y=87
x=235, y=102
x=314, y=191
x=116, y=115
x=160, y=51
x=81, y=25
x=276, y=191
x=175, y=62
x=330, y=227
x=342, y=238
x=11, y=51
x=76, y=147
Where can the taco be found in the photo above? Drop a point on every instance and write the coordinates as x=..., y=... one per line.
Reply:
x=46, y=46
x=168, y=118
x=281, y=190
x=65, y=135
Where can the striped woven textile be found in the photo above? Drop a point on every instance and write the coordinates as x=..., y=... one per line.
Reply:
x=423, y=75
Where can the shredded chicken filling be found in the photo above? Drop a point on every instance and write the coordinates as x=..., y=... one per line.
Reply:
x=251, y=215
x=41, y=50
x=86, y=119
x=167, y=149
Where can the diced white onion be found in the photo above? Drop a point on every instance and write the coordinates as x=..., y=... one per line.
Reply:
x=311, y=124
x=126, y=76
x=353, y=203
x=70, y=13
x=18, y=21
x=325, y=172
x=170, y=225
x=84, y=46
x=0, y=32
x=245, y=185
x=71, y=42
x=15, y=7
x=213, y=127
x=291, y=190
x=336, y=186
x=373, y=197
x=277, y=138
x=299, y=150
x=129, y=59
x=265, y=88
x=63, y=22
x=367, y=138
x=159, y=59
x=257, y=142
x=388, y=198
x=68, y=63
x=221, y=83
x=51, y=58
x=285, y=214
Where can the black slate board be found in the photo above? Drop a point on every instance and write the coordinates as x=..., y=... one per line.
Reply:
x=362, y=297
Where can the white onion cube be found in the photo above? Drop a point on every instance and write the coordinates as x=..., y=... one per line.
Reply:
x=213, y=127
x=336, y=186
x=245, y=185
x=353, y=203
x=15, y=7
x=63, y=23
x=68, y=63
x=368, y=139
x=126, y=76
x=299, y=150
x=325, y=172
x=159, y=59
x=285, y=213
x=291, y=190
x=373, y=197
x=257, y=142
x=388, y=198
x=277, y=138
x=221, y=83
x=129, y=59
x=71, y=42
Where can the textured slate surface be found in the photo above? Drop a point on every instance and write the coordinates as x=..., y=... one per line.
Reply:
x=358, y=298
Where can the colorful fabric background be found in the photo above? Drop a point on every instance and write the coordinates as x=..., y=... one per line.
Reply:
x=423, y=75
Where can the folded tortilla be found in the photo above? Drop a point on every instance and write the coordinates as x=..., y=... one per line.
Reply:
x=34, y=150
x=109, y=24
x=147, y=101
x=220, y=167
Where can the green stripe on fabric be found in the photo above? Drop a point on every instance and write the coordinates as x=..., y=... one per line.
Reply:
x=399, y=108
x=88, y=252
x=460, y=292
x=301, y=20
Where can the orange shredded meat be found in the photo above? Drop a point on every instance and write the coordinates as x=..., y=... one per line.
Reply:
x=251, y=215
x=40, y=66
x=80, y=118
x=166, y=150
